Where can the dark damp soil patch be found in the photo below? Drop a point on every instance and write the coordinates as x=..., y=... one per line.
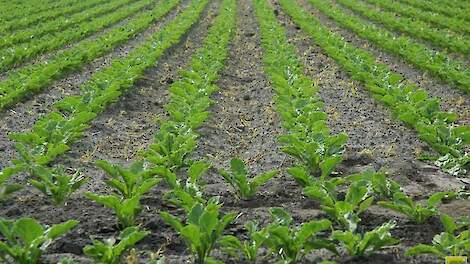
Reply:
x=451, y=98
x=22, y=116
x=116, y=135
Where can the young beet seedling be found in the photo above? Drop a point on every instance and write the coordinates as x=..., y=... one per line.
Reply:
x=292, y=243
x=129, y=185
x=56, y=183
x=7, y=189
x=249, y=248
x=25, y=239
x=378, y=182
x=108, y=251
x=202, y=230
x=319, y=152
x=345, y=212
x=188, y=194
x=360, y=245
x=244, y=186
x=446, y=243
x=417, y=212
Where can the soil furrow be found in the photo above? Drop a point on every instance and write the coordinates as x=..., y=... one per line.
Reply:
x=451, y=98
x=24, y=114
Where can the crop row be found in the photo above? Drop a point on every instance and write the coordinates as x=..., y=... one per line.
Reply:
x=53, y=134
x=437, y=63
x=29, y=50
x=407, y=102
x=452, y=23
x=26, y=21
x=438, y=7
x=59, y=24
x=414, y=28
x=33, y=78
x=14, y=10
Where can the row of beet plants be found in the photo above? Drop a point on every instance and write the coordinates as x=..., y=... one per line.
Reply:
x=59, y=24
x=27, y=51
x=36, y=77
x=414, y=28
x=438, y=7
x=439, y=20
x=437, y=63
x=21, y=21
x=16, y=10
x=408, y=103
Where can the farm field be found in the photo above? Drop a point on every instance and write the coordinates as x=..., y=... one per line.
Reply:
x=234, y=131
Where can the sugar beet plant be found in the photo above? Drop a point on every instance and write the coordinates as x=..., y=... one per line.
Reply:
x=202, y=229
x=448, y=243
x=56, y=183
x=185, y=194
x=129, y=185
x=110, y=250
x=245, y=186
x=290, y=242
x=24, y=240
x=419, y=213
x=250, y=248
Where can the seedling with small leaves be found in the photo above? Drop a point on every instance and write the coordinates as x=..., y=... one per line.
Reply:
x=245, y=186
x=25, y=239
x=56, y=183
x=109, y=251
x=359, y=245
x=419, y=213
x=6, y=189
x=187, y=194
x=202, y=230
x=317, y=151
x=345, y=212
x=248, y=248
x=378, y=182
x=447, y=243
x=129, y=185
x=291, y=243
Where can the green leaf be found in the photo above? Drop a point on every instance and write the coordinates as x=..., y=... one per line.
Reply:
x=424, y=249
x=280, y=216
x=329, y=164
x=60, y=229
x=27, y=229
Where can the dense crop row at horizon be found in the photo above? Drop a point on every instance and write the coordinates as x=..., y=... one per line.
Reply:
x=54, y=39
